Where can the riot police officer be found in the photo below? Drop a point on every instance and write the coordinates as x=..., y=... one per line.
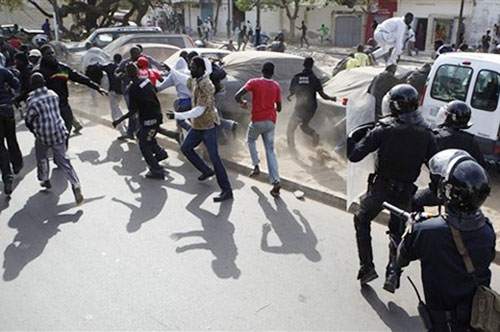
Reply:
x=404, y=143
x=451, y=135
x=448, y=287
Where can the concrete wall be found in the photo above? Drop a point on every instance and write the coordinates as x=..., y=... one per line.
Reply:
x=485, y=15
x=434, y=10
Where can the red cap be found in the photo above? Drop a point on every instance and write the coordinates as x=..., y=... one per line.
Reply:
x=142, y=62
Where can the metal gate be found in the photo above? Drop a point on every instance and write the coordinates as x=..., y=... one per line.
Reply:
x=348, y=31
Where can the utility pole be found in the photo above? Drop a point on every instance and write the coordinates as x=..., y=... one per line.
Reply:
x=56, y=20
x=189, y=14
x=228, y=23
x=459, y=29
x=258, y=13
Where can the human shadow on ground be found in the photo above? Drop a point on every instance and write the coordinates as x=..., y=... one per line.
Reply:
x=152, y=199
x=130, y=161
x=395, y=317
x=295, y=238
x=218, y=236
x=36, y=223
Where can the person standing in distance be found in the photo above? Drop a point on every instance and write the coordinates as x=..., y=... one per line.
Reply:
x=266, y=101
x=203, y=128
x=404, y=143
x=448, y=285
x=305, y=85
x=303, y=36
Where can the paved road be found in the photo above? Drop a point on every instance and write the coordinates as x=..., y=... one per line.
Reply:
x=157, y=255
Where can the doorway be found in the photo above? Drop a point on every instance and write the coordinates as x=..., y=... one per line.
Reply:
x=421, y=34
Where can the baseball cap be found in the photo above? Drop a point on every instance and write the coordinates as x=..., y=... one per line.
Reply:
x=35, y=52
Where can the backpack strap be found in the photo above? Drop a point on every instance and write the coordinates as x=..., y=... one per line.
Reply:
x=457, y=238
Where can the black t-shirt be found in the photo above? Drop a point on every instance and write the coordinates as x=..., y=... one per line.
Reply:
x=305, y=85
x=144, y=101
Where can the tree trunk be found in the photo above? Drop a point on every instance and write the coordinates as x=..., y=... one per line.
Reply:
x=291, y=34
x=219, y=2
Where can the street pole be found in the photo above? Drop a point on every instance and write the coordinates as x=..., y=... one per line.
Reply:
x=258, y=13
x=56, y=20
x=189, y=14
x=459, y=29
x=228, y=23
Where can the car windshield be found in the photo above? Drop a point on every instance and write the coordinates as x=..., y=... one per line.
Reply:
x=451, y=83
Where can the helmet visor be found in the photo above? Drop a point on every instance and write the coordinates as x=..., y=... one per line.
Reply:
x=442, y=163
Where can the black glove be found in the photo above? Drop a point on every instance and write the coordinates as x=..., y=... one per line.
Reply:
x=116, y=123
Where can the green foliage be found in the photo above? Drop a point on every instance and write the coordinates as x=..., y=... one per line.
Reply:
x=11, y=5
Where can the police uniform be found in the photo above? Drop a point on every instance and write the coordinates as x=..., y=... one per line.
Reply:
x=448, y=288
x=304, y=85
x=447, y=138
x=402, y=149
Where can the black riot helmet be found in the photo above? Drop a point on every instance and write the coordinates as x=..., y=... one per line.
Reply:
x=457, y=115
x=463, y=183
x=403, y=98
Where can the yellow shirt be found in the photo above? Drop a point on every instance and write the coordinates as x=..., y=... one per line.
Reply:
x=351, y=63
x=362, y=59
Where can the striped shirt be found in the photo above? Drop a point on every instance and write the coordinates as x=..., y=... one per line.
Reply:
x=44, y=115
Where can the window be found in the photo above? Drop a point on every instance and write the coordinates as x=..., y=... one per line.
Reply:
x=451, y=83
x=103, y=39
x=486, y=91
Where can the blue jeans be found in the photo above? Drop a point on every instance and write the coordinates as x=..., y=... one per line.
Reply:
x=183, y=105
x=209, y=139
x=266, y=129
x=149, y=147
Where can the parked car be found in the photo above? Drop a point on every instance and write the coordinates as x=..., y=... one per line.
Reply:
x=212, y=53
x=25, y=35
x=180, y=41
x=475, y=79
x=103, y=36
x=97, y=55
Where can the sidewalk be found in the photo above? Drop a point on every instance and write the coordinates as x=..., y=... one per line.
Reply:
x=318, y=172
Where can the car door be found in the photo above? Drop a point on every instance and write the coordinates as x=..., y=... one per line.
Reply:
x=484, y=101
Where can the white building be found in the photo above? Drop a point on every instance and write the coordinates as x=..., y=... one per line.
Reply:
x=434, y=20
x=439, y=19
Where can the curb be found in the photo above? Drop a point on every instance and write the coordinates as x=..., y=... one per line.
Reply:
x=336, y=200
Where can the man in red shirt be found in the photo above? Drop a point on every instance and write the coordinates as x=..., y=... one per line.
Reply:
x=266, y=100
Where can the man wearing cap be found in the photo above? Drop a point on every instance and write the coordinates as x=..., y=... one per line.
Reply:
x=34, y=56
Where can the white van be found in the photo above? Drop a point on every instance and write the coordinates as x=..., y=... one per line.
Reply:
x=475, y=79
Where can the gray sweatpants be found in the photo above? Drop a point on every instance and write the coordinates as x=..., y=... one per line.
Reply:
x=60, y=157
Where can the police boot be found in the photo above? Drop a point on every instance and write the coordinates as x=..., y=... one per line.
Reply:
x=367, y=271
x=393, y=271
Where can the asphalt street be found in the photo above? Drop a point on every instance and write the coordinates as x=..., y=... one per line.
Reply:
x=145, y=254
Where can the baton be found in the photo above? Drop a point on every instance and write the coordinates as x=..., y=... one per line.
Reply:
x=401, y=214
x=397, y=211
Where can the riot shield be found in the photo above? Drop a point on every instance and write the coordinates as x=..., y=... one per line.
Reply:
x=359, y=111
